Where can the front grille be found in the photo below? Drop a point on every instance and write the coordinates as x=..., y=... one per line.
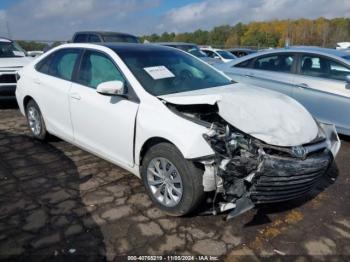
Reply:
x=282, y=179
x=7, y=78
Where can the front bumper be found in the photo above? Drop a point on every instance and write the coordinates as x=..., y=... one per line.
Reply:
x=281, y=179
x=250, y=172
x=284, y=178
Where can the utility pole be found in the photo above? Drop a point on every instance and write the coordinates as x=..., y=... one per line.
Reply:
x=8, y=30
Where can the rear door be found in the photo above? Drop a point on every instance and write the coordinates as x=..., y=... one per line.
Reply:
x=321, y=88
x=102, y=124
x=52, y=87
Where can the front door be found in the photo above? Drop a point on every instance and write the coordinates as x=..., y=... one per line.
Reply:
x=103, y=124
x=321, y=87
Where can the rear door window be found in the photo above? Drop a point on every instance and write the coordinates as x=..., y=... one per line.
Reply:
x=43, y=65
x=63, y=63
x=275, y=62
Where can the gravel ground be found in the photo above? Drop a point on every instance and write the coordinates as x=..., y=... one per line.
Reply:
x=56, y=199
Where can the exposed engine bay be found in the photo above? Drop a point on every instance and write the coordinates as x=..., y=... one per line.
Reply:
x=247, y=171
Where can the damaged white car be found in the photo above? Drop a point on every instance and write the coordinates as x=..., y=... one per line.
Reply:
x=177, y=123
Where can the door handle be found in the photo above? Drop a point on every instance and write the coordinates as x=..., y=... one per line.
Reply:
x=303, y=85
x=75, y=96
x=249, y=75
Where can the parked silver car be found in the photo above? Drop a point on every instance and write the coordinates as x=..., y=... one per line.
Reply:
x=319, y=78
x=192, y=49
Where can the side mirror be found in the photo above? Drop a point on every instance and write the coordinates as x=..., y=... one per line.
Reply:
x=111, y=88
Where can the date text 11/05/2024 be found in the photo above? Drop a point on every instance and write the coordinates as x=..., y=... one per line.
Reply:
x=173, y=258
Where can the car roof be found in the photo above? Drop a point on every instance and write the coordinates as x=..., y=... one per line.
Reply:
x=337, y=54
x=317, y=49
x=103, y=33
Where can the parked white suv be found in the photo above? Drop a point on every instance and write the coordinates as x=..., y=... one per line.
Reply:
x=12, y=59
x=177, y=123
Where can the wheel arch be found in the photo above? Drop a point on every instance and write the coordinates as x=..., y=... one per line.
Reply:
x=149, y=143
x=26, y=99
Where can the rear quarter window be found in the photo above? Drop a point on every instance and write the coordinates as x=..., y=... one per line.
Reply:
x=43, y=65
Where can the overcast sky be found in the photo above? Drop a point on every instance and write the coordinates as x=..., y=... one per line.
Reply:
x=59, y=19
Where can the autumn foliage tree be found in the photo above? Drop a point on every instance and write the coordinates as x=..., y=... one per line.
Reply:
x=319, y=32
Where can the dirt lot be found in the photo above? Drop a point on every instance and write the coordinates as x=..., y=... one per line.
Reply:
x=57, y=199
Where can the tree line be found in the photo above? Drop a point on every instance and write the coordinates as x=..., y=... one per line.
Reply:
x=276, y=33
x=318, y=32
x=36, y=46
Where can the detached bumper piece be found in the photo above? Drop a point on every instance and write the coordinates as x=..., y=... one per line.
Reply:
x=282, y=179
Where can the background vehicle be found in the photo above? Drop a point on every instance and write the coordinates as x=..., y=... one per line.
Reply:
x=239, y=52
x=193, y=49
x=103, y=36
x=318, y=78
x=12, y=59
x=223, y=55
x=34, y=53
x=108, y=94
x=343, y=45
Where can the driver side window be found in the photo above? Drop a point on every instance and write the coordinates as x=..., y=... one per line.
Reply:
x=97, y=68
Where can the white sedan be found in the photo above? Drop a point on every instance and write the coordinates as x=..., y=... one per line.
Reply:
x=177, y=123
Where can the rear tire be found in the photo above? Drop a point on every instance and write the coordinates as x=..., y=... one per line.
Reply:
x=173, y=183
x=35, y=121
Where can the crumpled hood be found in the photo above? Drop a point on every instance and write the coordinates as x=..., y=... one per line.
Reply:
x=267, y=115
x=14, y=62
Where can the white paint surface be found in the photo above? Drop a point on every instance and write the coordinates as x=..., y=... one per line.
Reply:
x=269, y=116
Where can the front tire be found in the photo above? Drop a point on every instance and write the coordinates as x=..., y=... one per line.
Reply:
x=173, y=183
x=35, y=121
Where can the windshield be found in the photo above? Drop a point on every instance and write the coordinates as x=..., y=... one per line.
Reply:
x=163, y=72
x=11, y=49
x=120, y=39
x=226, y=54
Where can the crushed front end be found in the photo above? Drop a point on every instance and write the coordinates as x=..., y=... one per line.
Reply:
x=247, y=171
x=251, y=172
